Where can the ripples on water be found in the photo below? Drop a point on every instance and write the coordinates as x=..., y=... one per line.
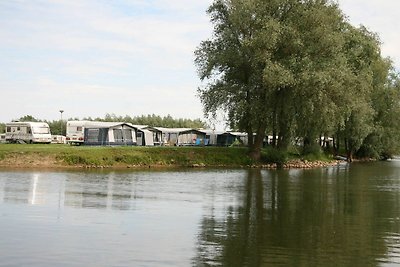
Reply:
x=339, y=216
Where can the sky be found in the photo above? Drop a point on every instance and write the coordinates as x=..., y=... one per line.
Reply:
x=123, y=57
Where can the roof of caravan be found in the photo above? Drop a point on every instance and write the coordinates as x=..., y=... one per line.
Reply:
x=236, y=133
x=210, y=131
x=171, y=130
x=144, y=130
x=100, y=124
x=32, y=123
x=175, y=130
x=138, y=126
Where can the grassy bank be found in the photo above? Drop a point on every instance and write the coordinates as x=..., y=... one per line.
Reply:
x=17, y=155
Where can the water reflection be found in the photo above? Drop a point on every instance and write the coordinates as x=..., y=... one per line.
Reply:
x=81, y=190
x=325, y=217
x=100, y=192
x=342, y=216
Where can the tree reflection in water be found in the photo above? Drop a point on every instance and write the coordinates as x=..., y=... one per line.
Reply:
x=324, y=217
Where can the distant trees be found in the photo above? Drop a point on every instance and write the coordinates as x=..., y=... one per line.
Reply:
x=296, y=69
x=57, y=127
x=28, y=118
x=155, y=120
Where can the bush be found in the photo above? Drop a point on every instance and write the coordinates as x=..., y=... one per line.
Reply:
x=274, y=155
x=74, y=159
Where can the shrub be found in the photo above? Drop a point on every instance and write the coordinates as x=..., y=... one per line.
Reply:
x=274, y=155
x=74, y=159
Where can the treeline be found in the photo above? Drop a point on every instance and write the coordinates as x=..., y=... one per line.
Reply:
x=59, y=127
x=298, y=70
x=155, y=121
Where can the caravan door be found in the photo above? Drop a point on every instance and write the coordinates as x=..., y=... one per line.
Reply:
x=139, y=138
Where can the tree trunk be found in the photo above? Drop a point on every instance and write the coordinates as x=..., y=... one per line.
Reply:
x=349, y=156
x=335, y=149
x=255, y=150
x=250, y=138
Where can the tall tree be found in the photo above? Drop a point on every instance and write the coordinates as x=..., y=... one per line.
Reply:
x=272, y=64
x=368, y=74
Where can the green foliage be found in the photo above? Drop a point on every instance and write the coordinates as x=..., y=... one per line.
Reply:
x=2, y=127
x=131, y=156
x=155, y=121
x=297, y=69
x=312, y=149
x=268, y=65
x=28, y=118
x=57, y=127
x=384, y=140
x=74, y=159
x=317, y=156
x=132, y=159
x=274, y=155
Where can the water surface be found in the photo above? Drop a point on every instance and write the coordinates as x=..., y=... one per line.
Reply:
x=347, y=215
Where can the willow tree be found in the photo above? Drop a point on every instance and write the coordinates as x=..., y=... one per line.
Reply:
x=267, y=63
x=232, y=63
x=367, y=76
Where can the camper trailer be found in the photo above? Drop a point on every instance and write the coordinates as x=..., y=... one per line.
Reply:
x=100, y=133
x=28, y=132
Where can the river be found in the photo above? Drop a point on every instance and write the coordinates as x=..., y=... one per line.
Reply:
x=346, y=215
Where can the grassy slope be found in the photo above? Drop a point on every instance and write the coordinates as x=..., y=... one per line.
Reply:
x=123, y=156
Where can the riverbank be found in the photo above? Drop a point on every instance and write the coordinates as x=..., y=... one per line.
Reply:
x=65, y=156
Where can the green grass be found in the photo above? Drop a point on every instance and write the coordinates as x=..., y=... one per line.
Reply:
x=131, y=155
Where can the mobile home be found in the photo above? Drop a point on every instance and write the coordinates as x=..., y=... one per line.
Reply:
x=28, y=132
x=181, y=136
x=232, y=138
x=211, y=136
x=100, y=133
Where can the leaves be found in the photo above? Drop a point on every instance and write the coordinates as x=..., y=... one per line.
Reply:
x=294, y=68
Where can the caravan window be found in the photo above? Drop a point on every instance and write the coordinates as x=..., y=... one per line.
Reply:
x=128, y=135
x=8, y=129
x=92, y=135
x=79, y=129
x=118, y=135
x=40, y=130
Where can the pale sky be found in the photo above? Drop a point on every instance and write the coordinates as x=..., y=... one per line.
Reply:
x=127, y=57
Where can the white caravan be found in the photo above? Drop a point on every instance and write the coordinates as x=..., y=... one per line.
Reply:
x=28, y=132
